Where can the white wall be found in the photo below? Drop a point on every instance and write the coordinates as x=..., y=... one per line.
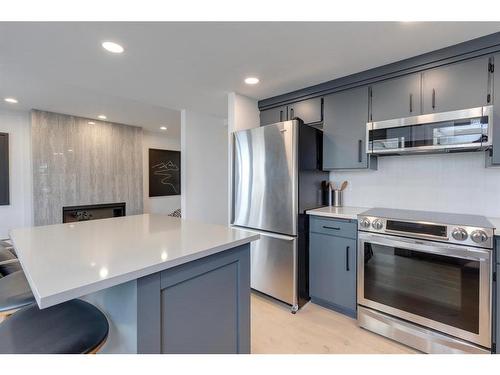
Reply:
x=442, y=182
x=243, y=113
x=158, y=205
x=20, y=212
x=204, y=172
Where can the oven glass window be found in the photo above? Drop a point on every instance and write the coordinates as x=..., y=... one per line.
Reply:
x=440, y=288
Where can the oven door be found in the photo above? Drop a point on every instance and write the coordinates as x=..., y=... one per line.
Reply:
x=437, y=285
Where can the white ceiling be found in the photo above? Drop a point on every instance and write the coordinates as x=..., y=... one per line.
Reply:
x=170, y=66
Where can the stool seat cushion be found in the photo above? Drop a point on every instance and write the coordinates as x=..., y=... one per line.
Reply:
x=71, y=327
x=15, y=292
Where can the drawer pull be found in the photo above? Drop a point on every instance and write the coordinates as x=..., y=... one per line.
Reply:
x=327, y=227
x=347, y=258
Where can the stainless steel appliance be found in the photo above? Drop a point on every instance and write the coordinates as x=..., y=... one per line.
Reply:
x=463, y=130
x=425, y=279
x=277, y=177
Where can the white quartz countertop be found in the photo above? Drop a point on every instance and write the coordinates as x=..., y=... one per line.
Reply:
x=66, y=261
x=338, y=212
x=496, y=223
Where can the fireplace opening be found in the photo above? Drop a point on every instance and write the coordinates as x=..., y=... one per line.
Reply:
x=72, y=214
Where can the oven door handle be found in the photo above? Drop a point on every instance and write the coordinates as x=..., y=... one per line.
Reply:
x=456, y=251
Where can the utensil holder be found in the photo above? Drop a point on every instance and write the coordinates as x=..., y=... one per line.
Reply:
x=337, y=198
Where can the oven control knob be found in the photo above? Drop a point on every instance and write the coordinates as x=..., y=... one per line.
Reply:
x=365, y=223
x=459, y=234
x=377, y=224
x=479, y=236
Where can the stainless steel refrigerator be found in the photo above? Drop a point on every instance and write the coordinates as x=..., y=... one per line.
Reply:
x=277, y=177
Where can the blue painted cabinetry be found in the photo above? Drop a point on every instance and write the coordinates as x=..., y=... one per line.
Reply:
x=496, y=299
x=495, y=152
x=310, y=111
x=344, y=130
x=332, y=264
x=201, y=307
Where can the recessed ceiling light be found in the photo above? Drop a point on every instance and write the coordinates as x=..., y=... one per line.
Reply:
x=91, y=123
x=251, y=80
x=112, y=47
x=163, y=127
x=102, y=117
x=11, y=100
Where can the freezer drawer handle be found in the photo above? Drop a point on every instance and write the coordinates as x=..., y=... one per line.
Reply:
x=327, y=227
x=347, y=258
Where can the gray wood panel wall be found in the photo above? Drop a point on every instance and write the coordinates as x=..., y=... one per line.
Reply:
x=75, y=163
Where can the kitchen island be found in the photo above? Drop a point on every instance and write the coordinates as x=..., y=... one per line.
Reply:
x=166, y=285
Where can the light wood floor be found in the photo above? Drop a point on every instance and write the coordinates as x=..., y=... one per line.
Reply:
x=313, y=330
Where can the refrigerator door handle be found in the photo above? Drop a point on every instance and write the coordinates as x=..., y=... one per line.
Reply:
x=264, y=233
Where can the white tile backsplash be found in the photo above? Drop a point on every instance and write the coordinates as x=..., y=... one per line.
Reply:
x=440, y=182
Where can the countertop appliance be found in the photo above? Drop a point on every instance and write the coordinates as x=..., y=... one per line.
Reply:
x=463, y=130
x=277, y=177
x=425, y=279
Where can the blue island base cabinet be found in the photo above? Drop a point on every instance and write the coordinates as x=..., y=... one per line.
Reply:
x=201, y=307
x=332, y=264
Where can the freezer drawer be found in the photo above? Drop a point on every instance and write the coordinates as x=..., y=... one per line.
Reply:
x=273, y=267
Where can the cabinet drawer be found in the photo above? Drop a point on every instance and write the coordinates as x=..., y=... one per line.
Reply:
x=334, y=227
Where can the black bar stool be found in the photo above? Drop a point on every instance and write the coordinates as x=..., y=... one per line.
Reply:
x=8, y=262
x=15, y=293
x=73, y=327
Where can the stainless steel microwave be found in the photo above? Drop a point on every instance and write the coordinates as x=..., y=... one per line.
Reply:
x=462, y=130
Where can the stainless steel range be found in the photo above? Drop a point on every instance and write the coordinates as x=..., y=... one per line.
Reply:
x=425, y=279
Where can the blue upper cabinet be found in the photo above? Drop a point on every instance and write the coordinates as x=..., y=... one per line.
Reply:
x=310, y=111
x=495, y=152
x=395, y=98
x=273, y=115
x=456, y=86
x=344, y=130
x=452, y=87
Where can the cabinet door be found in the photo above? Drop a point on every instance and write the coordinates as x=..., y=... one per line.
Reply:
x=332, y=272
x=344, y=129
x=495, y=152
x=310, y=111
x=456, y=86
x=496, y=308
x=273, y=115
x=395, y=98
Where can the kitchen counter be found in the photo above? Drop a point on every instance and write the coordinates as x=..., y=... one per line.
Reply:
x=157, y=279
x=338, y=212
x=66, y=261
x=496, y=223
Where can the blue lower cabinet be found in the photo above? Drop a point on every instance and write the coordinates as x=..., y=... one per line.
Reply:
x=332, y=272
x=201, y=307
x=496, y=309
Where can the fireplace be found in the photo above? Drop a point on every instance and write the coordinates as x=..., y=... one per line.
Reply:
x=93, y=212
